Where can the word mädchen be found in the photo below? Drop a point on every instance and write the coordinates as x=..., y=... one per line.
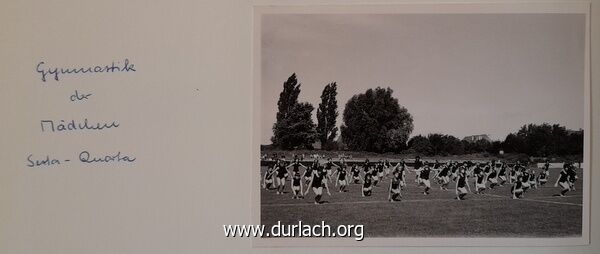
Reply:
x=72, y=125
x=114, y=67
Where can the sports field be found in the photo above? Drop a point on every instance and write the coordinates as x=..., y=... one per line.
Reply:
x=493, y=214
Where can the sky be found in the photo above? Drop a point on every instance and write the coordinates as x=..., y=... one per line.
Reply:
x=457, y=74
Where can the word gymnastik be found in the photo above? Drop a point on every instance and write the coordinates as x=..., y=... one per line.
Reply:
x=62, y=125
x=56, y=72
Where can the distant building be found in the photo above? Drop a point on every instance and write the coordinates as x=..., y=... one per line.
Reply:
x=475, y=138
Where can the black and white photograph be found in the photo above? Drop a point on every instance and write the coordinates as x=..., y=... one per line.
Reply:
x=424, y=125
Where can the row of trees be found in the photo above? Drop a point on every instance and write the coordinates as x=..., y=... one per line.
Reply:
x=534, y=140
x=543, y=140
x=440, y=144
x=374, y=121
x=294, y=127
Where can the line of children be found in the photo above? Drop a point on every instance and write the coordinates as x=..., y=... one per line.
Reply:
x=497, y=173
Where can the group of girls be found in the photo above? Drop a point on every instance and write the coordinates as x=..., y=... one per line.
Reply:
x=487, y=175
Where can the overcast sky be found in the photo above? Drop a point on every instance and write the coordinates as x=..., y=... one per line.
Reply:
x=458, y=74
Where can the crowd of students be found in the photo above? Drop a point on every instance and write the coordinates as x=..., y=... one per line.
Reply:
x=487, y=175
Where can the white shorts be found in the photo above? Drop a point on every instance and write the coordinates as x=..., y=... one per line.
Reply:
x=395, y=191
x=526, y=185
x=318, y=191
x=375, y=178
x=461, y=190
x=493, y=180
x=518, y=191
x=532, y=183
x=342, y=182
x=296, y=187
x=426, y=182
x=280, y=181
x=480, y=186
x=564, y=185
x=269, y=180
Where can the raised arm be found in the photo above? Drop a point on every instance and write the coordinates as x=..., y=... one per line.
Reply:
x=390, y=190
x=309, y=184
x=437, y=173
x=334, y=175
x=265, y=179
x=456, y=185
x=467, y=183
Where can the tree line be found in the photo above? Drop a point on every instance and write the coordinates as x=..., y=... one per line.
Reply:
x=374, y=121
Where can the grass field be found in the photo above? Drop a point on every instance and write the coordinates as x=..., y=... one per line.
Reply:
x=493, y=214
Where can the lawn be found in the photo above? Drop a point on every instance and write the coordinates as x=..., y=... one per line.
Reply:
x=493, y=214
